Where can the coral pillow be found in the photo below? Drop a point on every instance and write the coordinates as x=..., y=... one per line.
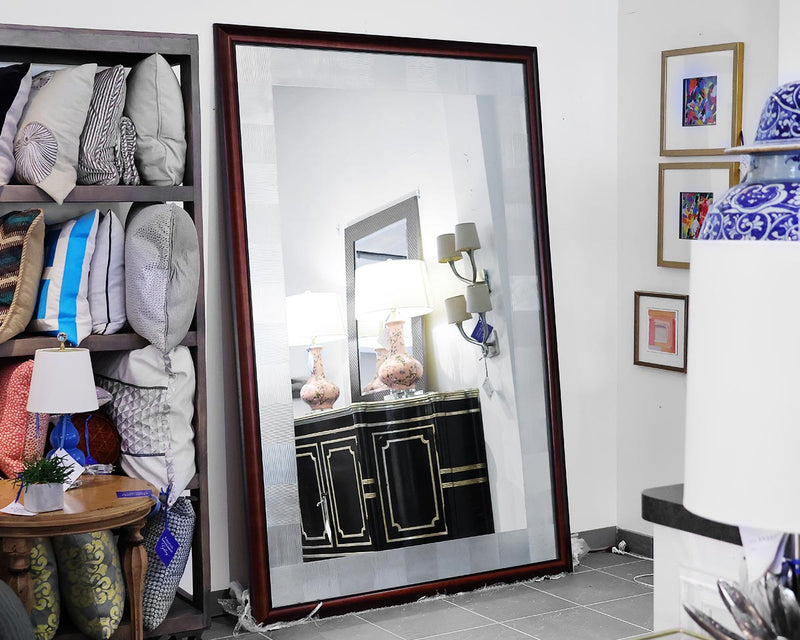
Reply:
x=19, y=436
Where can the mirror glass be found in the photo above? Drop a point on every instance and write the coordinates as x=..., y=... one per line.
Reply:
x=354, y=158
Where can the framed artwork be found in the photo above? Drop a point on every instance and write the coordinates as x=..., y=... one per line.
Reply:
x=660, y=322
x=686, y=191
x=701, y=99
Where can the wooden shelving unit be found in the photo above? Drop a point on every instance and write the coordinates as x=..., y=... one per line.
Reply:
x=58, y=46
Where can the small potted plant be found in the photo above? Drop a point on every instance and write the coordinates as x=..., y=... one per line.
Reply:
x=42, y=480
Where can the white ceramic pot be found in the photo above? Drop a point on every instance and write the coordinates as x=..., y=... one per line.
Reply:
x=44, y=497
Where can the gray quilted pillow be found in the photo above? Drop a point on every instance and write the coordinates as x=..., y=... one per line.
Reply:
x=161, y=581
x=162, y=273
x=14, y=622
x=124, y=153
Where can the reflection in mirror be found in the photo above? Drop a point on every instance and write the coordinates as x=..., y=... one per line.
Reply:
x=463, y=482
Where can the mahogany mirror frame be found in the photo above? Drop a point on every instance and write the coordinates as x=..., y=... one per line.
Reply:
x=227, y=37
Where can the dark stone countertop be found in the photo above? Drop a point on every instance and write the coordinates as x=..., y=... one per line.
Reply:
x=664, y=506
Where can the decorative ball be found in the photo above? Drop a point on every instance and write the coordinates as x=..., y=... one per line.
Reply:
x=104, y=441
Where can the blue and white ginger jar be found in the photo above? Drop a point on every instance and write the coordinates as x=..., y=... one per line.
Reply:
x=765, y=205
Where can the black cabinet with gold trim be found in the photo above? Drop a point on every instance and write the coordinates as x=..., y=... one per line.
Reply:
x=383, y=475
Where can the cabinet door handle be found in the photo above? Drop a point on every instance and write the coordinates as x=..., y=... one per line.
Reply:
x=326, y=515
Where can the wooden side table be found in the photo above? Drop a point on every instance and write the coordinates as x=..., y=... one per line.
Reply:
x=94, y=506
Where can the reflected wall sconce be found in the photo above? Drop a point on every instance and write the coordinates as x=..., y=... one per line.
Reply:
x=478, y=300
x=315, y=319
x=391, y=292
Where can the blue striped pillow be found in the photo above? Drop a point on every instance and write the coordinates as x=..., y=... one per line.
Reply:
x=62, y=304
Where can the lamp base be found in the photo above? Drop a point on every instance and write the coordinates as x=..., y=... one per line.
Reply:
x=400, y=371
x=318, y=392
x=65, y=436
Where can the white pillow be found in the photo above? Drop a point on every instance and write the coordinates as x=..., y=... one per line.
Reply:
x=15, y=81
x=152, y=408
x=46, y=144
x=107, y=277
x=62, y=304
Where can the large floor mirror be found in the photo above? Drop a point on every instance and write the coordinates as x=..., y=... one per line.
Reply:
x=400, y=401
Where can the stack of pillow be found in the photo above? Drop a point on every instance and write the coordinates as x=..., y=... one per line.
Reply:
x=92, y=274
x=78, y=125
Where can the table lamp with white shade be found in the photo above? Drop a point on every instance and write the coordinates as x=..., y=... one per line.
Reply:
x=62, y=384
x=314, y=319
x=394, y=291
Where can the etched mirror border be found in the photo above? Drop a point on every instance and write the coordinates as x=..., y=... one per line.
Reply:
x=227, y=38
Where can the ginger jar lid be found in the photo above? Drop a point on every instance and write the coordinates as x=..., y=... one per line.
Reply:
x=779, y=125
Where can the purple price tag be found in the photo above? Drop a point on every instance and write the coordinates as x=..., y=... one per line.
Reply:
x=477, y=332
x=140, y=493
x=166, y=547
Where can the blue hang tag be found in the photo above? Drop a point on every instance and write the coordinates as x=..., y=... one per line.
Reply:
x=477, y=332
x=141, y=493
x=166, y=547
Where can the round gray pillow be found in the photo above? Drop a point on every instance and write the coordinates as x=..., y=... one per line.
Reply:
x=162, y=273
x=14, y=621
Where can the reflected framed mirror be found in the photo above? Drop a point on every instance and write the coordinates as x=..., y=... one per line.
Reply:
x=400, y=182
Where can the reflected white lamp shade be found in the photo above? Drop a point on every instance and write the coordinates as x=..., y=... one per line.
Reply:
x=314, y=318
x=401, y=285
x=446, y=248
x=466, y=237
x=456, y=308
x=743, y=383
x=62, y=382
x=478, y=298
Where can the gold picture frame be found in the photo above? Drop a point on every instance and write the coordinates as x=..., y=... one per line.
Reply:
x=701, y=99
x=683, y=185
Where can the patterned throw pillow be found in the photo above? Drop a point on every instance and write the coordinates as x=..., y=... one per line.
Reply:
x=125, y=153
x=161, y=581
x=100, y=135
x=162, y=273
x=46, y=610
x=63, y=303
x=152, y=408
x=14, y=620
x=46, y=144
x=21, y=257
x=91, y=582
x=20, y=437
x=103, y=437
x=15, y=85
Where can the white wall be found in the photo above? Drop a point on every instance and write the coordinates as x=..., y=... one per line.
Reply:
x=577, y=44
x=651, y=402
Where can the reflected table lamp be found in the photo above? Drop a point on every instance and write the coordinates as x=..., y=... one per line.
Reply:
x=743, y=383
x=62, y=384
x=394, y=291
x=314, y=319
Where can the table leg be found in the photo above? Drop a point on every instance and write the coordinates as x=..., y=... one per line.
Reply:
x=17, y=551
x=134, y=564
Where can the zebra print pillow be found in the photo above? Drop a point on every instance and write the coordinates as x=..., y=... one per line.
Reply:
x=96, y=154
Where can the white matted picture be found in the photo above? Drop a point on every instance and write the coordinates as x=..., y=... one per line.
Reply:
x=701, y=99
x=660, y=322
x=686, y=193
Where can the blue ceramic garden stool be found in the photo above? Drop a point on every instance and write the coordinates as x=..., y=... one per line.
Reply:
x=765, y=205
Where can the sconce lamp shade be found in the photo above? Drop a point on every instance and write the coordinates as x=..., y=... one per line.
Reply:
x=382, y=287
x=446, y=248
x=62, y=382
x=314, y=318
x=478, y=299
x=467, y=237
x=456, y=308
x=743, y=378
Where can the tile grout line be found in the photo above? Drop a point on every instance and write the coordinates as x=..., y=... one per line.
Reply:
x=501, y=623
x=636, y=595
x=355, y=615
x=633, y=624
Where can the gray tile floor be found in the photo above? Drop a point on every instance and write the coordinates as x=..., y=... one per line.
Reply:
x=609, y=597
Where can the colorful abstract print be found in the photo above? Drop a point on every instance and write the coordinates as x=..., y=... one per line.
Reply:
x=693, y=209
x=700, y=101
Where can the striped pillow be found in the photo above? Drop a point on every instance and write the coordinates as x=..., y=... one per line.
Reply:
x=96, y=153
x=107, y=277
x=125, y=153
x=21, y=255
x=63, y=304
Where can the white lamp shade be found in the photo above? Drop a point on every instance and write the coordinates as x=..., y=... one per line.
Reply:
x=456, y=308
x=314, y=318
x=446, y=248
x=466, y=236
x=478, y=298
x=743, y=380
x=401, y=285
x=62, y=382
